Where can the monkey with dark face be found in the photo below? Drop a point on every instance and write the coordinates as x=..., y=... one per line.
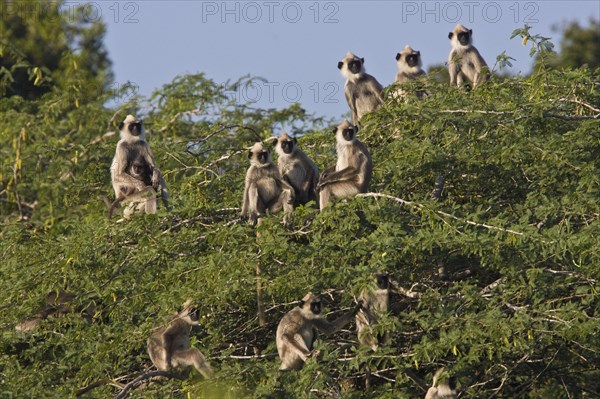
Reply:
x=375, y=304
x=265, y=189
x=297, y=331
x=352, y=173
x=409, y=68
x=169, y=346
x=135, y=178
x=464, y=61
x=363, y=92
x=443, y=390
x=297, y=169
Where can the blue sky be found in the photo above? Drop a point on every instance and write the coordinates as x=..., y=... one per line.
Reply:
x=296, y=45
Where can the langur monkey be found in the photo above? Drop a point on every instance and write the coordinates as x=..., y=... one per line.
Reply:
x=297, y=169
x=443, y=390
x=135, y=178
x=363, y=92
x=464, y=61
x=375, y=304
x=297, y=331
x=169, y=346
x=58, y=303
x=410, y=68
x=265, y=189
x=352, y=173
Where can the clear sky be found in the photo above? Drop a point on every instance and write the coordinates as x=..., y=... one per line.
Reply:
x=296, y=45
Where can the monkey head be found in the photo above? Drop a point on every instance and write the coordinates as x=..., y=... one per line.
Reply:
x=190, y=312
x=351, y=66
x=461, y=35
x=131, y=127
x=286, y=144
x=310, y=305
x=383, y=281
x=345, y=132
x=259, y=156
x=410, y=57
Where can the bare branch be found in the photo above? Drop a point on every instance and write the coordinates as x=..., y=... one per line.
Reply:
x=442, y=213
x=141, y=378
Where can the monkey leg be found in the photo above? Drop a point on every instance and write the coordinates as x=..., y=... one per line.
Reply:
x=295, y=354
x=256, y=206
x=192, y=357
x=285, y=202
x=143, y=200
x=150, y=206
x=164, y=193
x=340, y=189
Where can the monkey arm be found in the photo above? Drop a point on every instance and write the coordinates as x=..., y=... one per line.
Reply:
x=296, y=343
x=453, y=67
x=326, y=173
x=286, y=186
x=245, y=200
x=327, y=327
x=119, y=173
x=157, y=179
x=377, y=89
x=351, y=102
x=167, y=339
x=348, y=173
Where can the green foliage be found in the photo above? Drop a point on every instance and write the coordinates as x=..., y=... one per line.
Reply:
x=579, y=46
x=516, y=228
x=47, y=45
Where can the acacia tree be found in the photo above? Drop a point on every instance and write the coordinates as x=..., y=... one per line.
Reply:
x=515, y=227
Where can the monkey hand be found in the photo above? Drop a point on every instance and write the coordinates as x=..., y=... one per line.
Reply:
x=253, y=218
x=156, y=176
x=358, y=306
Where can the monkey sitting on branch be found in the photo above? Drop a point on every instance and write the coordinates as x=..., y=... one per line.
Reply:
x=265, y=189
x=169, y=346
x=352, y=173
x=464, y=61
x=135, y=178
x=297, y=331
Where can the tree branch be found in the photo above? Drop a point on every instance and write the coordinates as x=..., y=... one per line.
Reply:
x=141, y=378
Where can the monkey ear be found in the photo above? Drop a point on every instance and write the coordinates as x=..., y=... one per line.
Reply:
x=334, y=130
x=249, y=154
x=417, y=52
x=362, y=60
x=450, y=35
x=121, y=124
x=398, y=56
x=301, y=304
x=470, y=31
x=340, y=65
x=355, y=129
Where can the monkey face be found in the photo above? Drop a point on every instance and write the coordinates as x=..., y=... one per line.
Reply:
x=464, y=38
x=413, y=59
x=262, y=156
x=355, y=65
x=259, y=155
x=348, y=134
x=311, y=303
x=287, y=146
x=383, y=281
x=135, y=128
x=195, y=314
x=315, y=306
